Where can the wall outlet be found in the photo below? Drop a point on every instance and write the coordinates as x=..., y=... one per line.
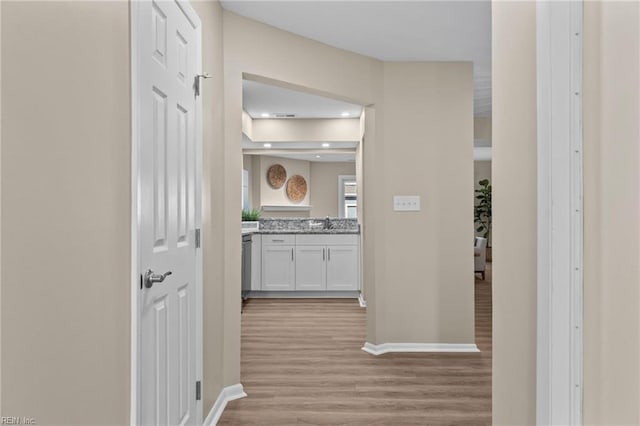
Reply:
x=406, y=203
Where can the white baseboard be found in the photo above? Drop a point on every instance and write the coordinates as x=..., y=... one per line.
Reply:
x=418, y=347
x=302, y=294
x=227, y=394
x=361, y=301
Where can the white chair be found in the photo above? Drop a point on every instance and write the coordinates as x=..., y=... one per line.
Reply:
x=480, y=256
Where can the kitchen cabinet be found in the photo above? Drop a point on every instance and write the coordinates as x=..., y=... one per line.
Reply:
x=278, y=265
x=310, y=262
x=311, y=269
x=343, y=265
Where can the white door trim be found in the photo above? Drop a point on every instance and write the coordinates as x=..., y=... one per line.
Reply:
x=135, y=209
x=560, y=213
x=192, y=16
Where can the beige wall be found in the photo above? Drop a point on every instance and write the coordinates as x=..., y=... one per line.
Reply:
x=305, y=130
x=285, y=214
x=514, y=212
x=214, y=209
x=278, y=197
x=255, y=48
x=407, y=306
x=1, y=211
x=324, y=178
x=66, y=212
x=322, y=181
x=426, y=292
x=482, y=128
x=261, y=193
x=612, y=213
x=65, y=197
x=398, y=312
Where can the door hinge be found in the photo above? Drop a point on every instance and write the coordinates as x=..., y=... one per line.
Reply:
x=198, y=391
x=196, y=82
x=198, y=238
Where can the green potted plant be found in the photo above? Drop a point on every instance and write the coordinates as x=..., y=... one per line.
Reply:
x=482, y=212
x=250, y=219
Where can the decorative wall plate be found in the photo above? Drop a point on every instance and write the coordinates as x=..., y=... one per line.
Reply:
x=276, y=176
x=296, y=188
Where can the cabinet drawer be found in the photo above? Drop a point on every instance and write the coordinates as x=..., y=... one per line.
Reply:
x=328, y=239
x=278, y=239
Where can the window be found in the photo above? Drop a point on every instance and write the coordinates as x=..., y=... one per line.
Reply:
x=245, y=190
x=347, y=197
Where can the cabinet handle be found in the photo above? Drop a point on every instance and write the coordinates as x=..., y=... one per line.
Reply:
x=329, y=251
x=292, y=255
x=323, y=254
x=277, y=241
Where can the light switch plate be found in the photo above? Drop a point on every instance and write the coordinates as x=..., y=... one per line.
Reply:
x=406, y=203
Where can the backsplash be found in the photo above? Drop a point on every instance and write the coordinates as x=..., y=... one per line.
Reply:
x=308, y=224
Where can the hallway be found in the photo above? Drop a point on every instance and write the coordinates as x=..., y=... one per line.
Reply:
x=302, y=364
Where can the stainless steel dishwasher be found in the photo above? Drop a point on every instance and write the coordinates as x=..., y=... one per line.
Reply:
x=246, y=265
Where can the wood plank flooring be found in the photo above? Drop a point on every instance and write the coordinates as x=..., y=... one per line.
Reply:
x=302, y=365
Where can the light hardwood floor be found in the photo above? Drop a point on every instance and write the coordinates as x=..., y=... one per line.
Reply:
x=302, y=364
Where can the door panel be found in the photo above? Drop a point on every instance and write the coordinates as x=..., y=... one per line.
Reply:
x=183, y=172
x=160, y=207
x=278, y=268
x=160, y=362
x=167, y=43
x=184, y=352
x=310, y=268
x=342, y=268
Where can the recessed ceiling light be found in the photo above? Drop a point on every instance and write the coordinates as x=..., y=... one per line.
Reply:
x=264, y=115
x=345, y=114
x=267, y=145
x=326, y=145
x=317, y=156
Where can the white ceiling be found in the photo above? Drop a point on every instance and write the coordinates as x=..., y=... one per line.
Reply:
x=259, y=98
x=309, y=151
x=391, y=30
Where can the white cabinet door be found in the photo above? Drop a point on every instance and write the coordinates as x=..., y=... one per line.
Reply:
x=342, y=268
x=310, y=267
x=278, y=267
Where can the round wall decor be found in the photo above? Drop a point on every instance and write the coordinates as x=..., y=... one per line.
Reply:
x=296, y=188
x=276, y=176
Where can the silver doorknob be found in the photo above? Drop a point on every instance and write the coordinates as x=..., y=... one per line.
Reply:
x=150, y=278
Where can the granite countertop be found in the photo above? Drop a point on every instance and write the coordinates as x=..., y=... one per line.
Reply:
x=306, y=226
x=306, y=231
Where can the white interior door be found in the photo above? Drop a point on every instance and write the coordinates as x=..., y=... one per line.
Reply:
x=167, y=60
